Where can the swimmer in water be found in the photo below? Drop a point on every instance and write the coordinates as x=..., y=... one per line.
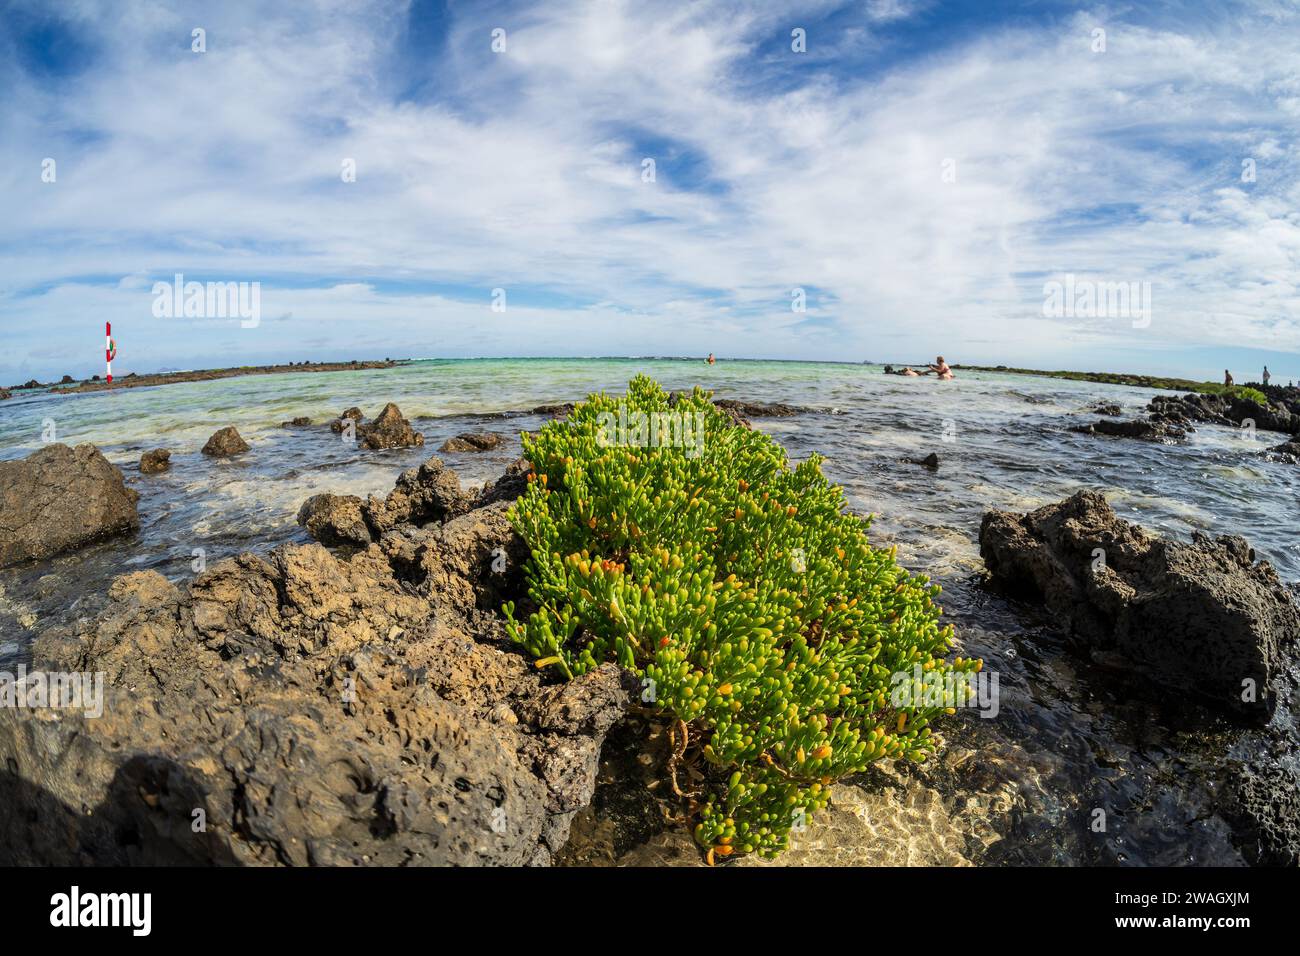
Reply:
x=941, y=369
x=711, y=359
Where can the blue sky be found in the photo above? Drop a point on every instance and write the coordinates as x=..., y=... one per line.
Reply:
x=920, y=172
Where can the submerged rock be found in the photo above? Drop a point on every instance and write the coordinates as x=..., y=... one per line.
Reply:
x=1203, y=619
x=1144, y=429
x=301, y=421
x=310, y=710
x=225, y=443
x=473, y=441
x=60, y=498
x=389, y=430
x=930, y=461
x=155, y=461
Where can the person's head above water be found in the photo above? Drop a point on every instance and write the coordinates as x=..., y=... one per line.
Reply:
x=939, y=360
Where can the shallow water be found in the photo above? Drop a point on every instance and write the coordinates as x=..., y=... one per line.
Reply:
x=1023, y=787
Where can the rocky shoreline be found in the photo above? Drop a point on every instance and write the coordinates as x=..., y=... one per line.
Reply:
x=356, y=701
x=311, y=709
x=1170, y=418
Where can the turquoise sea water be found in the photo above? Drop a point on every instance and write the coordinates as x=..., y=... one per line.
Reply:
x=1003, y=442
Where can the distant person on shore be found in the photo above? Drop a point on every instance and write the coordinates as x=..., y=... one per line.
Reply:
x=1266, y=375
x=941, y=369
x=1227, y=378
x=711, y=360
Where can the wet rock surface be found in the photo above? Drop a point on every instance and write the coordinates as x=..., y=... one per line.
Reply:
x=351, y=415
x=758, y=409
x=389, y=430
x=1202, y=619
x=1111, y=409
x=311, y=709
x=1264, y=801
x=555, y=409
x=225, y=443
x=1144, y=429
x=1231, y=410
x=473, y=441
x=1288, y=452
x=155, y=461
x=58, y=499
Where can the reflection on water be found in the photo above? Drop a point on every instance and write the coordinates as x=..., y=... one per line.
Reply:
x=1069, y=740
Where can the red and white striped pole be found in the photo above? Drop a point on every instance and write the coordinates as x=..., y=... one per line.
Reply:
x=108, y=350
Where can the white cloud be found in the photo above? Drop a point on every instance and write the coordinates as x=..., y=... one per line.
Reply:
x=524, y=172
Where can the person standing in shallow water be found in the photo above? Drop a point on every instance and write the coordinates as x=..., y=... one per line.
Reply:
x=711, y=360
x=1227, y=377
x=940, y=368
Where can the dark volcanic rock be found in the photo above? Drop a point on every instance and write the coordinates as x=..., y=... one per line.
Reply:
x=352, y=414
x=302, y=421
x=225, y=443
x=1288, y=451
x=734, y=416
x=473, y=441
x=930, y=461
x=389, y=430
x=155, y=461
x=67, y=380
x=430, y=493
x=1106, y=408
x=1201, y=618
x=1264, y=805
x=335, y=520
x=1146, y=430
x=509, y=486
x=558, y=410
x=1275, y=416
x=758, y=409
x=58, y=499
x=313, y=711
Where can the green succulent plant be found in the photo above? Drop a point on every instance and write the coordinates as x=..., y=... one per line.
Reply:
x=1250, y=394
x=759, y=617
